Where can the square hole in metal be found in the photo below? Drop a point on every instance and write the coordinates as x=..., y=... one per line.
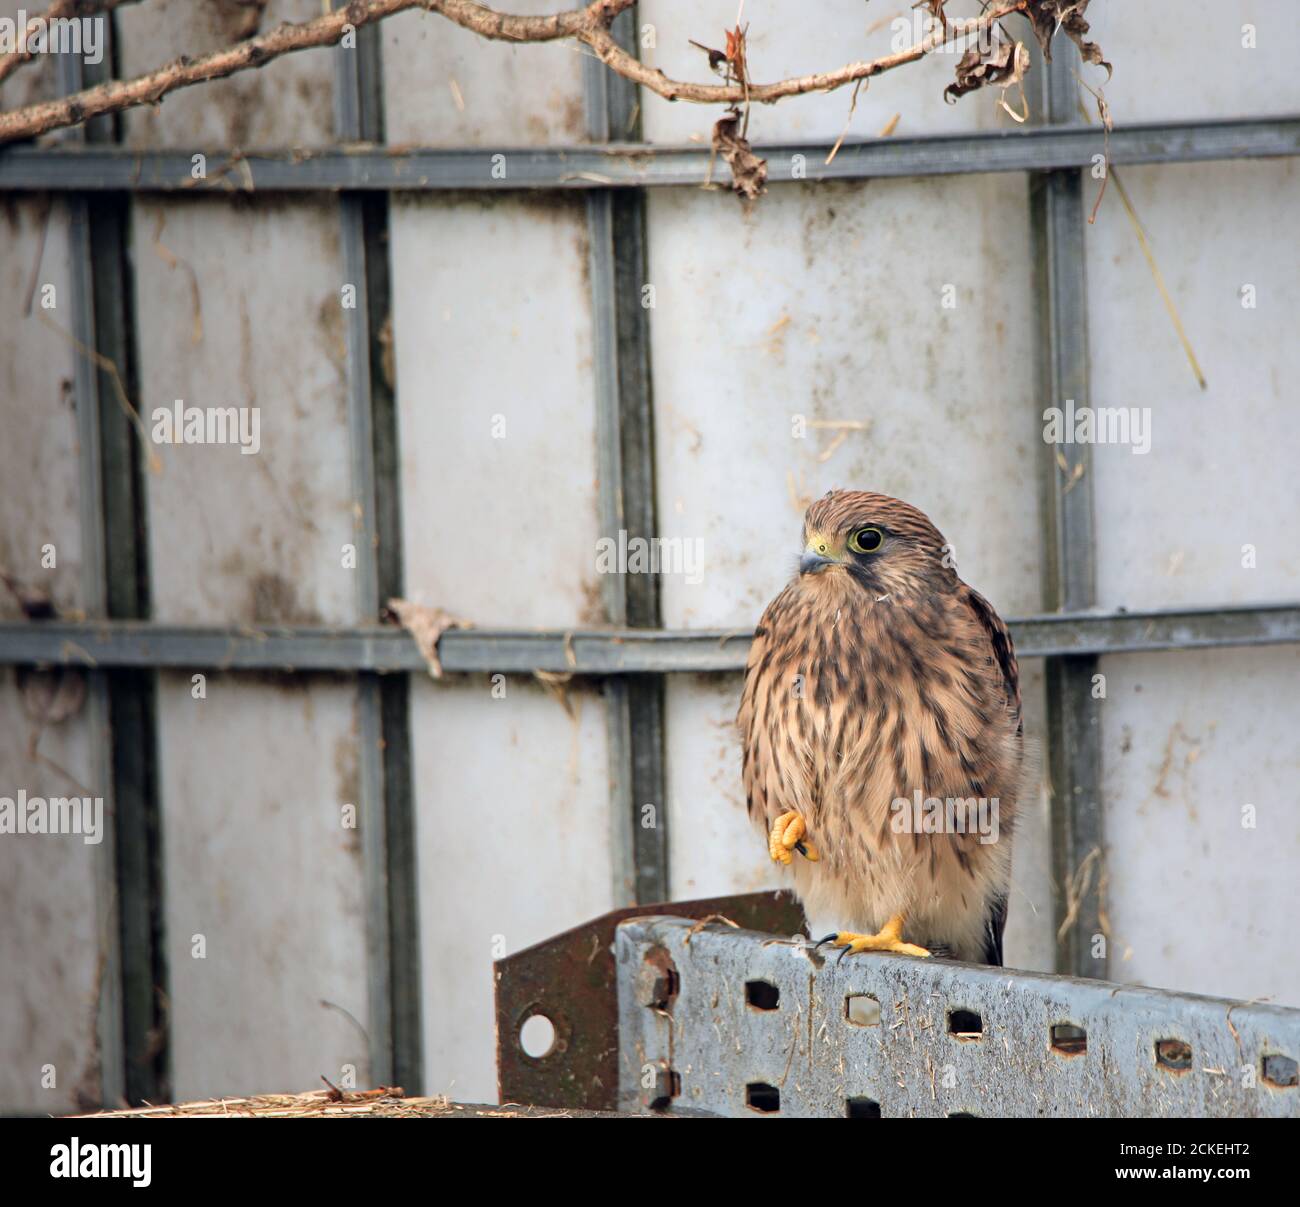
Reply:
x=1281, y=1071
x=965, y=1024
x=759, y=1096
x=668, y=1085
x=1173, y=1054
x=1069, y=1039
x=862, y=1010
x=861, y=1108
x=762, y=995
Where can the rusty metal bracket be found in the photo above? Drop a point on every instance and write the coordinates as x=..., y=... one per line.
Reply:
x=571, y=981
x=723, y=1022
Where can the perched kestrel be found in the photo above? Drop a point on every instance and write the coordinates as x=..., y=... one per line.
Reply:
x=882, y=736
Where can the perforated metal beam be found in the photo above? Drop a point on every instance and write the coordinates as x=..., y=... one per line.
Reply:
x=728, y=1022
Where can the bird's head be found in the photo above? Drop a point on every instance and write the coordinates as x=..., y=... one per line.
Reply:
x=883, y=544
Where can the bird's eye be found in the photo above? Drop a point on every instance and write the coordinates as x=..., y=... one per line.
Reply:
x=866, y=540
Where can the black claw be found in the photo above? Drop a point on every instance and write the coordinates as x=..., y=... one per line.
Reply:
x=830, y=938
x=803, y=850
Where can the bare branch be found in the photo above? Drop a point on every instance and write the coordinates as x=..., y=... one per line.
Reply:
x=617, y=59
x=503, y=27
x=588, y=25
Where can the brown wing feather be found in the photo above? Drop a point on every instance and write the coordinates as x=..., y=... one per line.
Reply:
x=1003, y=650
x=1004, y=654
x=755, y=750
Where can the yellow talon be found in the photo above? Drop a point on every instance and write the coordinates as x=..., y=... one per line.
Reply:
x=789, y=833
x=890, y=938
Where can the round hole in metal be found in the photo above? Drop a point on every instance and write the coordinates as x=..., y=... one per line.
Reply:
x=537, y=1036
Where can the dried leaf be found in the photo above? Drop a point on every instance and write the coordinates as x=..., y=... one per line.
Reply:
x=1005, y=64
x=1047, y=16
x=730, y=63
x=748, y=171
x=556, y=684
x=736, y=54
x=426, y=625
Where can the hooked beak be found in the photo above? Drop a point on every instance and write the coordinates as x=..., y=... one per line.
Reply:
x=811, y=563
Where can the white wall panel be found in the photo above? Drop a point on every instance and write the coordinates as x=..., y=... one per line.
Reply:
x=242, y=306
x=444, y=86
x=288, y=102
x=49, y=924
x=259, y=862
x=1179, y=60
x=38, y=460
x=1197, y=900
x=513, y=833
x=49, y=928
x=1219, y=475
x=493, y=319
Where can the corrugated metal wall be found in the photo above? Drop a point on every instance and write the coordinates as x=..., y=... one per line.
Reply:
x=826, y=302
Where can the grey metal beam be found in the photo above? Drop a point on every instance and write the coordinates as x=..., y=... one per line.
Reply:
x=374, y=846
x=387, y=649
x=111, y=1007
x=735, y=1023
x=1073, y=707
x=384, y=737
x=625, y=471
x=132, y=692
x=405, y=979
x=631, y=165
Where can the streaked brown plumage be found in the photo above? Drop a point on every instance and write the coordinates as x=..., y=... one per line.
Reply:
x=873, y=676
